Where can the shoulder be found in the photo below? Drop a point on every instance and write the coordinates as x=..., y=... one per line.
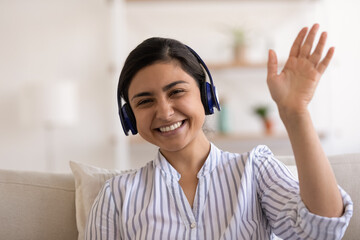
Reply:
x=127, y=179
x=258, y=161
x=128, y=185
x=257, y=155
x=268, y=168
x=260, y=153
x=262, y=160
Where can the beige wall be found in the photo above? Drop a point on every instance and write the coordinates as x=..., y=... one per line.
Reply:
x=87, y=41
x=50, y=41
x=271, y=24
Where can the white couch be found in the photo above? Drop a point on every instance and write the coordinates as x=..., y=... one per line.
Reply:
x=42, y=205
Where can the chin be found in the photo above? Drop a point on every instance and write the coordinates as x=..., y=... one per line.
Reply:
x=171, y=147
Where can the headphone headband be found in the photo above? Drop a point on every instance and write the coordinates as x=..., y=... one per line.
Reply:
x=213, y=90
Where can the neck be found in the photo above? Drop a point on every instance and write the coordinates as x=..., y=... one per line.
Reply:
x=190, y=159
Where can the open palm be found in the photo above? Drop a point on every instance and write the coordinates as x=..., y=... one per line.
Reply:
x=294, y=87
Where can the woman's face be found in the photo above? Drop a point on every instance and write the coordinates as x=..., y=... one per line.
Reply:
x=167, y=106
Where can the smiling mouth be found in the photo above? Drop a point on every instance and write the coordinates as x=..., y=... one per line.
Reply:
x=171, y=127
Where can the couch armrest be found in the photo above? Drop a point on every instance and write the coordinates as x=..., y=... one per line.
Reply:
x=37, y=205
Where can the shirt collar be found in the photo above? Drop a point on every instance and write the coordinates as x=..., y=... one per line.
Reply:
x=165, y=166
x=211, y=162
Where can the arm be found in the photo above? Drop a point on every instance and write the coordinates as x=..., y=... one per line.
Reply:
x=281, y=202
x=103, y=220
x=292, y=90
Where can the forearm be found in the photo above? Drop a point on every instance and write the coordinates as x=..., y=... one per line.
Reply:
x=318, y=187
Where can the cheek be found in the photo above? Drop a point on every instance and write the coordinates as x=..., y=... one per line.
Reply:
x=193, y=106
x=142, y=120
x=196, y=101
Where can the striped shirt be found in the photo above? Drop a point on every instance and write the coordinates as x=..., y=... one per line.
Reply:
x=247, y=196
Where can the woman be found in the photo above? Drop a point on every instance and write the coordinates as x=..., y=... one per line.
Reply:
x=193, y=190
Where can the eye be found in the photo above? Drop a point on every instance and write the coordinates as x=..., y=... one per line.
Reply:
x=143, y=102
x=177, y=91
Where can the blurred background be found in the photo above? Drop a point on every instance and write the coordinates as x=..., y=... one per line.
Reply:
x=60, y=62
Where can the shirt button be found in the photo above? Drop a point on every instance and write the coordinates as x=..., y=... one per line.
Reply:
x=193, y=225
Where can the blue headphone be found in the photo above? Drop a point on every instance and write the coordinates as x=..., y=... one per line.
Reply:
x=209, y=100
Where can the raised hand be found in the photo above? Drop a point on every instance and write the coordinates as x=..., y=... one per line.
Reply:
x=292, y=90
x=294, y=87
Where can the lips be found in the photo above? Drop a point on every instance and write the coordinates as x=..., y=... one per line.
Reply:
x=171, y=127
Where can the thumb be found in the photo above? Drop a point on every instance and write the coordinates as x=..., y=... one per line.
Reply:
x=272, y=64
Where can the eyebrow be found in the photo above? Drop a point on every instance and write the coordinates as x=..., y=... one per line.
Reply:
x=165, y=88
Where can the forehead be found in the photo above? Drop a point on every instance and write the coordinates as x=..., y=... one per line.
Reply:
x=158, y=75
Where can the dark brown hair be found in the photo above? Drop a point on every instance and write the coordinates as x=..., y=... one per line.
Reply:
x=155, y=50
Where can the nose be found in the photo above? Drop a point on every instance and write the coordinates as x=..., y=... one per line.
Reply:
x=164, y=109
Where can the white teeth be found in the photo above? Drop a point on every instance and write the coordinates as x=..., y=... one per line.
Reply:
x=171, y=127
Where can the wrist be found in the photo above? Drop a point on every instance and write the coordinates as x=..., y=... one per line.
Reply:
x=295, y=116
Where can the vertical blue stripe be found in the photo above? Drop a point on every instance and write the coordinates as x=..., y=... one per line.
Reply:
x=216, y=205
x=161, y=206
x=127, y=210
x=121, y=200
x=154, y=194
x=148, y=209
x=115, y=213
x=169, y=211
x=136, y=198
x=222, y=196
x=183, y=204
x=210, y=204
x=101, y=211
x=143, y=195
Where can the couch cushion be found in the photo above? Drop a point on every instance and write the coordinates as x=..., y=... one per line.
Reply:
x=37, y=206
x=88, y=181
x=346, y=168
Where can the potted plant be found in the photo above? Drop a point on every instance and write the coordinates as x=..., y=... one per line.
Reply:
x=238, y=38
x=263, y=112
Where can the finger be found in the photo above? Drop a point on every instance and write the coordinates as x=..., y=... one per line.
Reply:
x=316, y=56
x=295, y=49
x=325, y=62
x=306, y=48
x=272, y=64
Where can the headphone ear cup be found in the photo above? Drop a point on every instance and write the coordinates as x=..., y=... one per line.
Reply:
x=206, y=98
x=128, y=120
